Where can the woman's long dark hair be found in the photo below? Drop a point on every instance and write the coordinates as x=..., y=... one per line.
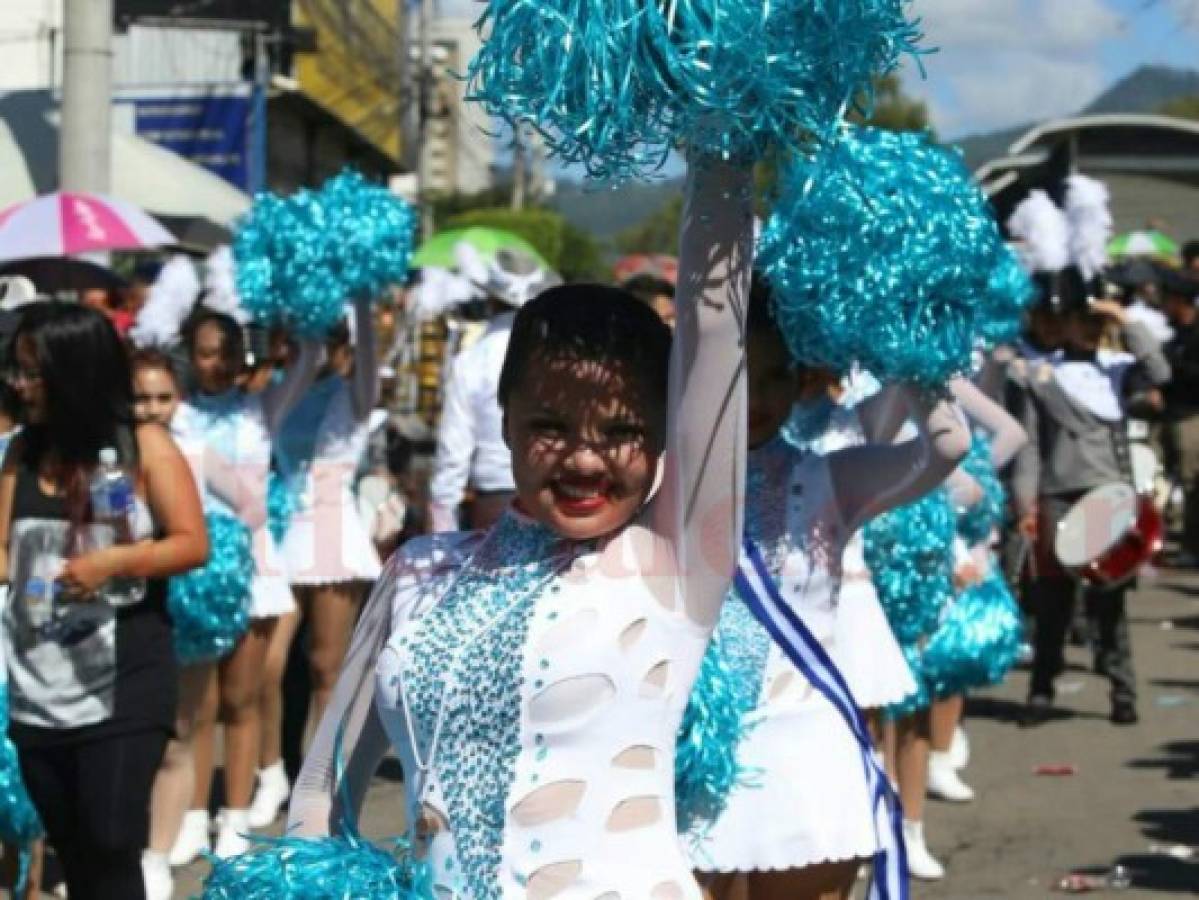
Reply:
x=84, y=371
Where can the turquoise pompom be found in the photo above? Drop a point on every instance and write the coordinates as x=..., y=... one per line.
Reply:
x=978, y=521
x=210, y=606
x=883, y=252
x=705, y=765
x=280, y=504
x=329, y=868
x=615, y=85
x=979, y=641
x=300, y=259
x=909, y=551
x=371, y=234
x=19, y=821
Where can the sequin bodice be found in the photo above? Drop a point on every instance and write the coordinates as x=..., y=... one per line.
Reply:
x=231, y=424
x=559, y=684
x=792, y=516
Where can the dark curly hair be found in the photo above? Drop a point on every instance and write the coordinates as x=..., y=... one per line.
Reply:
x=591, y=322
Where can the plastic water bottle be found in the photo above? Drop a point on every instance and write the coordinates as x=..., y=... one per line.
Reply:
x=112, y=495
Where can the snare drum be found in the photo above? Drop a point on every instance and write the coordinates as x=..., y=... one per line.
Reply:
x=1108, y=535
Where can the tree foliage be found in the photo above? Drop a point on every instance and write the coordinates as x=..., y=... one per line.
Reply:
x=657, y=233
x=572, y=253
x=1182, y=108
x=893, y=109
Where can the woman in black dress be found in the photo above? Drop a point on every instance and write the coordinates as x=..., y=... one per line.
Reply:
x=92, y=673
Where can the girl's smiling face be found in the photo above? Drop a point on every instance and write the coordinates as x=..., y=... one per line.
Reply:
x=585, y=440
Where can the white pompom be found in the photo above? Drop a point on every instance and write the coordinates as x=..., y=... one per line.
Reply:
x=1043, y=232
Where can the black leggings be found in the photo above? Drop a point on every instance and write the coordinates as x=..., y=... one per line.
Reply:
x=94, y=799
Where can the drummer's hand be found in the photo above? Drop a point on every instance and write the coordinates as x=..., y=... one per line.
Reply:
x=82, y=576
x=1110, y=309
x=1027, y=525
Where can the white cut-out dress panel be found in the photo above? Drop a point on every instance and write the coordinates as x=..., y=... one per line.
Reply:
x=607, y=671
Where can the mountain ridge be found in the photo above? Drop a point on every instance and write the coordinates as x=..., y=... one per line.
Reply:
x=1144, y=90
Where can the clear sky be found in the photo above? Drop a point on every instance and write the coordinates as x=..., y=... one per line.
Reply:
x=1006, y=62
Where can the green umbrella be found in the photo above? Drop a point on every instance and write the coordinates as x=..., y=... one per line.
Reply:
x=438, y=250
x=1143, y=243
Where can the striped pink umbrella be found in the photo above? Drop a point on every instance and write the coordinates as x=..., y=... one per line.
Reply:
x=64, y=224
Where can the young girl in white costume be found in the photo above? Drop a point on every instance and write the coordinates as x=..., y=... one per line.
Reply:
x=867, y=654
x=237, y=426
x=998, y=440
x=532, y=679
x=327, y=554
x=803, y=823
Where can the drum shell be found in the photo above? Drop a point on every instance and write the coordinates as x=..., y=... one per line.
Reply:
x=1120, y=562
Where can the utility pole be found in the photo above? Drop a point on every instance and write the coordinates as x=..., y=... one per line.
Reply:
x=409, y=89
x=425, y=109
x=85, y=138
x=520, y=169
x=258, y=114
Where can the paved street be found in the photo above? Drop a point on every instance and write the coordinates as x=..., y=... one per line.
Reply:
x=1134, y=788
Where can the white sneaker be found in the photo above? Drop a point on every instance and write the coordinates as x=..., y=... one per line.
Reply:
x=944, y=783
x=193, y=838
x=921, y=864
x=156, y=874
x=233, y=829
x=271, y=795
x=959, y=749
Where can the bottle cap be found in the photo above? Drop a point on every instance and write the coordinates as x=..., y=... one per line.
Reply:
x=108, y=456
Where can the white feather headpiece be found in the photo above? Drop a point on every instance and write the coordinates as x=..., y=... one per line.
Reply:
x=220, y=285
x=172, y=296
x=1044, y=233
x=1088, y=211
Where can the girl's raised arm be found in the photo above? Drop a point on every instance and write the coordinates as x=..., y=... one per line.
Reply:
x=699, y=508
x=280, y=399
x=869, y=480
x=349, y=743
x=364, y=382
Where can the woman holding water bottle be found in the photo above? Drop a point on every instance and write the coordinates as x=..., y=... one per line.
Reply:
x=96, y=513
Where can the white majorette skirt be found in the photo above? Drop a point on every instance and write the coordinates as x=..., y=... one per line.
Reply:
x=270, y=593
x=809, y=802
x=865, y=649
x=327, y=543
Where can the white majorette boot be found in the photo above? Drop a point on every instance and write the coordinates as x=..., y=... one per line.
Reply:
x=233, y=829
x=944, y=783
x=959, y=749
x=921, y=864
x=193, y=838
x=156, y=875
x=271, y=795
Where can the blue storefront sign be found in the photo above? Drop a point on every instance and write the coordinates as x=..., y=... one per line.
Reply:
x=212, y=129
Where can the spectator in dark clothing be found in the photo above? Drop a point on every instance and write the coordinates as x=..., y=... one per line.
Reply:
x=1190, y=256
x=1180, y=292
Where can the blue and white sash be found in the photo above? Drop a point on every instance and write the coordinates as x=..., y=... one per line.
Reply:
x=760, y=593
